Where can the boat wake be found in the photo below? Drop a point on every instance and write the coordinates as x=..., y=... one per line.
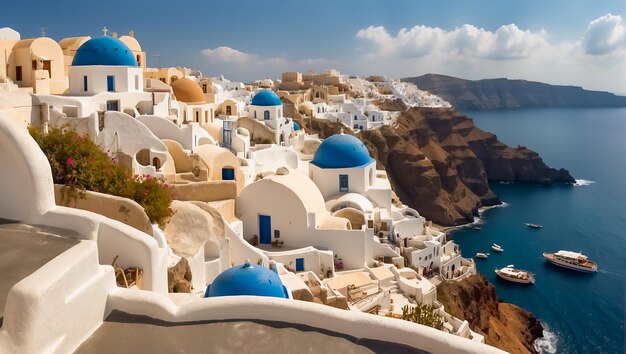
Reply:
x=583, y=182
x=546, y=344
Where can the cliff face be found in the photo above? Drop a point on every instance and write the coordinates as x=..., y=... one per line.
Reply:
x=504, y=93
x=440, y=163
x=504, y=326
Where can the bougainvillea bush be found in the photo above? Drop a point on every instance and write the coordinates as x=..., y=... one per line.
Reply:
x=80, y=165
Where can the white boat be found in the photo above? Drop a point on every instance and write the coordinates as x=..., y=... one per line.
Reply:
x=572, y=260
x=497, y=248
x=510, y=273
x=534, y=226
x=482, y=255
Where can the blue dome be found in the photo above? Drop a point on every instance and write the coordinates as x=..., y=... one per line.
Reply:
x=266, y=98
x=247, y=279
x=341, y=151
x=296, y=127
x=104, y=51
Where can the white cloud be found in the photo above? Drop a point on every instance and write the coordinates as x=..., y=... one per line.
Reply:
x=239, y=65
x=227, y=54
x=508, y=42
x=605, y=35
x=597, y=60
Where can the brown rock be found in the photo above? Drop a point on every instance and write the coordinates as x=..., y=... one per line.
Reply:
x=179, y=277
x=504, y=326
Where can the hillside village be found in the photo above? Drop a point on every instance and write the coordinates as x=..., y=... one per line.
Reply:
x=261, y=206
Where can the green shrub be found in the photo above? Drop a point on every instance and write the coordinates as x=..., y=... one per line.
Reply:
x=422, y=314
x=80, y=165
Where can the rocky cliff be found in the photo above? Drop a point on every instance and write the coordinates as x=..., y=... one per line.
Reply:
x=440, y=163
x=504, y=326
x=504, y=93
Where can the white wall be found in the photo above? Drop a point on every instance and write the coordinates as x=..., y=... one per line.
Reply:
x=125, y=133
x=58, y=306
x=327, y=179
x=352, y=323
x=127, y=79
x=274, y=157
x=26, y=188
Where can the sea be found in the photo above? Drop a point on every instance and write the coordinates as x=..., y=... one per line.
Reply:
x=581, y=313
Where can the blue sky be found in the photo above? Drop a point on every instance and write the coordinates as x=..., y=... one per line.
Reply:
x=551, y=41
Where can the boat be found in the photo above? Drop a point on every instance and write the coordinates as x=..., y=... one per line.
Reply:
x=482, y=255
x=534, y=226
x=477, y=228
x=497, y=248
x=510, y=273
x=571, y=260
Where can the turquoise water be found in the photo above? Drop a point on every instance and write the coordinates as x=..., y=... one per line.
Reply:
x=584, y=313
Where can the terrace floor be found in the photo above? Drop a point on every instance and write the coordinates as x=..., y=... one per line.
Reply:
x=23, y=250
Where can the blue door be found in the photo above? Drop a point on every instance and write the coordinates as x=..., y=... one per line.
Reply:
x=110, y=83
x=228, y=174
x=265, y=229
x=299, y=264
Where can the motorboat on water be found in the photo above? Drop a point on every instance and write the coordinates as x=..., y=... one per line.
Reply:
x=534, y=226
x=572, y=260
x=497, y=248
x=482, y=255
x=513, y=274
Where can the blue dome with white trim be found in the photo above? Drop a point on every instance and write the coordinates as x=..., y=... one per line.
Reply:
x=296, y=127
x=247, y=279
x=266, y=98
x=104, y=51
x=341, y=151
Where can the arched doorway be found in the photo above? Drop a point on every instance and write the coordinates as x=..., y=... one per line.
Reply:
x=156, y=162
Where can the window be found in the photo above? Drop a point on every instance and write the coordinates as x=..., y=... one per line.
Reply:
x=204, y=87
x=229, y=111
x=137, y=82
x=18, y=73
x=85, y=86
x=228, y=174
x=113, y=105
x=138, y=60
x=266, y=115
x=343, y=183
x=197, y=117
x=110, y=83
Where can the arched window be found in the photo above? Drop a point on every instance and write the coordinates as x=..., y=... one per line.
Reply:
x=229, y=111
x=266, y=115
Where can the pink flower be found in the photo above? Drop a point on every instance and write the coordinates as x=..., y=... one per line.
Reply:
x=69, y=161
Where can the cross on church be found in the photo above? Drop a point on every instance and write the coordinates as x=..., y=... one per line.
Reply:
x=105, y=30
